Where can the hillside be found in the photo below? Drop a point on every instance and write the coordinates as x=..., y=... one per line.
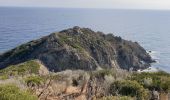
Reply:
x=80, y=48
x=30, y=80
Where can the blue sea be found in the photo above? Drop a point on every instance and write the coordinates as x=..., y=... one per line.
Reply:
x=151, y=28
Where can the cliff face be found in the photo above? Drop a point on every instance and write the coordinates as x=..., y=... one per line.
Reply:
x=80, y=48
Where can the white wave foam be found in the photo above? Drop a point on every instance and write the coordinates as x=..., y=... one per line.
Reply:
x=150, y=69
x=154, y=55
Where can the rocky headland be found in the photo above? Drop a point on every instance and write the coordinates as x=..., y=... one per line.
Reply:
x=80, y=48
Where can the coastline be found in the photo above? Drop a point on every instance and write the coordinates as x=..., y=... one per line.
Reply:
x=151, y=68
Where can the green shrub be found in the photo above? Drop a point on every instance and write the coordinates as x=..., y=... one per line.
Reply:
x=156, y=80
x=64, y=38
x=129, y=88
x=3, y=77
x=21, y=69
x=117, y=98
x=102, y=73
x=11, y=92
x=34, y=80
x=77, y=46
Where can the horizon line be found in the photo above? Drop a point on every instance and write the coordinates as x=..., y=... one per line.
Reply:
x=97, y=8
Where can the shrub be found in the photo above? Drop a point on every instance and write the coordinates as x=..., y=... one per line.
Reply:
x=11, y=92
x=21, y=69
x=156, y=80
x=77, y=46
x=102, y=73
x=147, y=81
x=34, y=80
x=3, y=77
x=117, y=98
x=129, y=88
x=75, y=82
x=64, y=38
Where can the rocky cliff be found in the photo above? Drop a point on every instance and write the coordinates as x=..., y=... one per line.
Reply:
x=80, y=48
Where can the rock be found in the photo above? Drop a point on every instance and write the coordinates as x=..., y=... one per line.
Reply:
x=155, y=95
x=80, y=48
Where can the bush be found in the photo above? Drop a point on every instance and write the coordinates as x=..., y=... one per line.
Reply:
x=117, y=98
x=102, y=73
x=34, y=80
x=153, y=81
x=11, y=92
x=129, y=88
x=21, y=69
x=3, y=77
x=64, y=38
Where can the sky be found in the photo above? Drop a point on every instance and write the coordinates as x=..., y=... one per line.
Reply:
x=115, y=4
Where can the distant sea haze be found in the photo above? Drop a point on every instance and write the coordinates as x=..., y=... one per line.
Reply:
x=150, y=28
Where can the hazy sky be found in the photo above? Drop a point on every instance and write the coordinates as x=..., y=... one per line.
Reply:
x=123, y=4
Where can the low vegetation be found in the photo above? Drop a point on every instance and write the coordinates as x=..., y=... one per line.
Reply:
x=12, y=92
x=34, y=80
x=129, y=88
x=153, y=81
x=116, y=98
x=138, y=86
x=105, y=84
x=29, y=67
x=102, y=73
